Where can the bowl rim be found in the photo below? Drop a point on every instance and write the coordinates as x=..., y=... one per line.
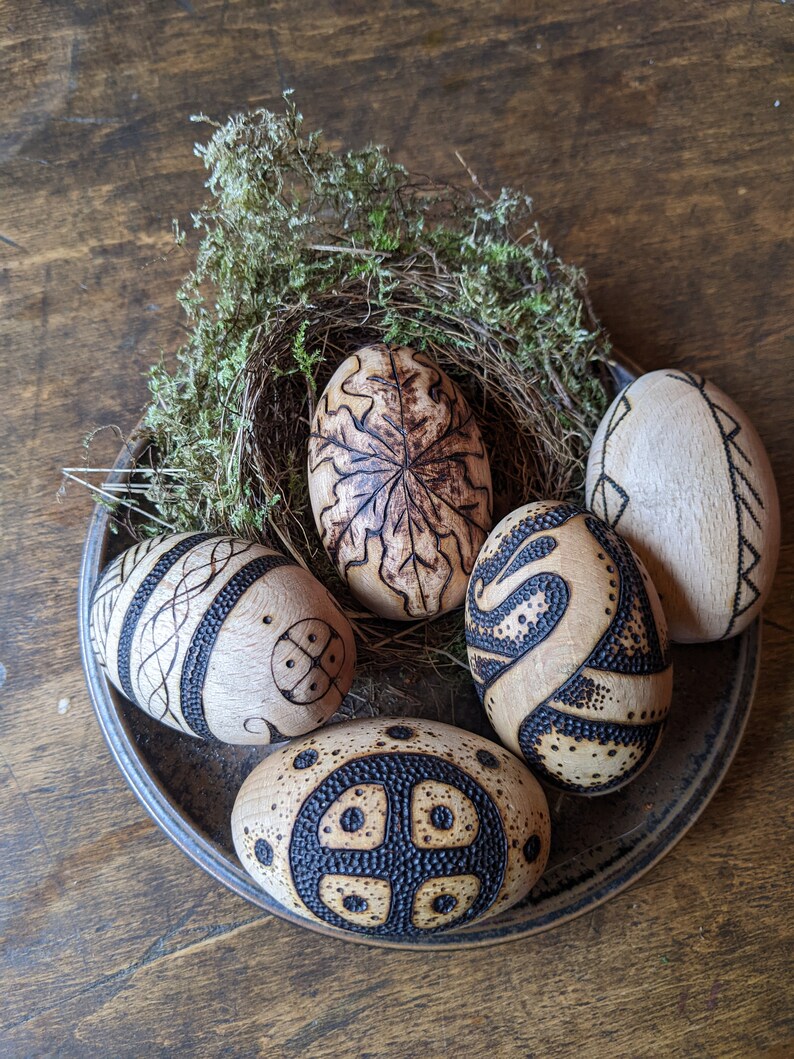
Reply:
x=166, y=813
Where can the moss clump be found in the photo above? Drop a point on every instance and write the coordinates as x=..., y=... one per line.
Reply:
x=306, y=254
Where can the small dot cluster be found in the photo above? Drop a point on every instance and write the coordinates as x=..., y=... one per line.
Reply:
x=583, y=693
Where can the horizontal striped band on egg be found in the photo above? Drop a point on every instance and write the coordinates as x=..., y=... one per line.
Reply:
x=197, y=659
x=220, y=637
x=142, y=596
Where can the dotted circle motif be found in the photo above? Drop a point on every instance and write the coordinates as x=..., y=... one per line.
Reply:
x=263, y=852
x=307, y=660
x=305, y=759
x=352, y=819
x=532, y=849
x=441, y=817
x=397, y=860
x=400, y=731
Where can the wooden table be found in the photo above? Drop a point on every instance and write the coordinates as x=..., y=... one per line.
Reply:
x=657, y=142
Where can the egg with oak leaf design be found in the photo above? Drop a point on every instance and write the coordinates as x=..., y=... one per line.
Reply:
x=399, y=481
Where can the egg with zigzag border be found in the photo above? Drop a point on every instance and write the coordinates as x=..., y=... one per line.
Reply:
x=678, y=469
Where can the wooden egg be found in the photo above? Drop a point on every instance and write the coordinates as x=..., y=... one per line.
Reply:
x=216, y=636
x=399, y=481
x=392, y=827
x=568, y=647
x=680, y=471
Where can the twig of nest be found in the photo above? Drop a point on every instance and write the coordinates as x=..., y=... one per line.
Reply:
x=307, y=255
x=532, y=453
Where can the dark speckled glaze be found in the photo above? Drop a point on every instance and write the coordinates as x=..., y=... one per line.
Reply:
x=599, y=846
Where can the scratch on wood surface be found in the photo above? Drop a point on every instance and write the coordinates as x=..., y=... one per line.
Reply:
x=711, y=1003
x=10, y=242
x=276, y=53
x=6, y=764
x=92, y=121
x=156, y=951
x=74, y=57
x=441, y=1020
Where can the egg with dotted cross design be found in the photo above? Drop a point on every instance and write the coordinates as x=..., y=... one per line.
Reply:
x=678, y=469
x=394, y=828
x=568, y=647
x=399, y=481
x=219, y=637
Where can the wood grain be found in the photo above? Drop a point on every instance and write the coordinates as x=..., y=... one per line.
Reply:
x=399, y=481
x=678, y=470
x=650, y=138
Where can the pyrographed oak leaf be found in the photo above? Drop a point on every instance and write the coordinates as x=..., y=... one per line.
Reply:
x=399, y=481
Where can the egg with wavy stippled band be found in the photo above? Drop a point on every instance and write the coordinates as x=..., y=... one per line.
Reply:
x=568, y=648
x=399, y=481
x=219, y=637
x=395, y=827
x=678, y=469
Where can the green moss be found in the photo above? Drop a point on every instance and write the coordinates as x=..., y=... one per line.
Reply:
x=299, y=247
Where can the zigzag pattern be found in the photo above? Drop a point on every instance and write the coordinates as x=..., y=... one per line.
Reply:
x=747, y=502
x=612, y=497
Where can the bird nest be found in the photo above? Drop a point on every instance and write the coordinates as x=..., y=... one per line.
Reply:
x=304, y=256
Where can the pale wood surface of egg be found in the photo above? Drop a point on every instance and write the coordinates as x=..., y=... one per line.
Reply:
x=399, y=481
x=393, y=827
x=568, y=647
x=219, y=637
x=679, y=470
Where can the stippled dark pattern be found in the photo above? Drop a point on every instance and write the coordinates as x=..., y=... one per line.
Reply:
x=194, y=669
x=545, y=720
x=141, y=598
x=482, y=627
x=105, y=593
x=630, y=645
x=397, y=860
